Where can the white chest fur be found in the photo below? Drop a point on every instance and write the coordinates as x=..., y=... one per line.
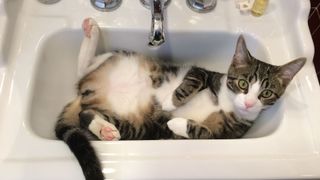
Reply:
x=130, y=87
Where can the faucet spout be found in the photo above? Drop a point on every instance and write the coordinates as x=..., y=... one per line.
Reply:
x=157, y=35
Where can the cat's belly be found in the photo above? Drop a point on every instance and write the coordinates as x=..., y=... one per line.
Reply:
x=129, y=92
x=199, y=107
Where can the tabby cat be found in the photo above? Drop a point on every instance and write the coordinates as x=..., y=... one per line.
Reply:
x=124, y=95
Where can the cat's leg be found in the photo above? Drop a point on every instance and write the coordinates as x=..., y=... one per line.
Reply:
x=194, y=81
x=218, y=125
x=106, y=127
x=97, y=125
x=88, y=46
x=189, y=129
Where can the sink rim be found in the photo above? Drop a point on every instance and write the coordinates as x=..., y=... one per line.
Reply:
x=124, y=145
x=59, y=151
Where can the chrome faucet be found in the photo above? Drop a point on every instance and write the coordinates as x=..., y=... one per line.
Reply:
x=157, y=7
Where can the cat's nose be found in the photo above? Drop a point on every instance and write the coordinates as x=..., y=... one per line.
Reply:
x=249, y=103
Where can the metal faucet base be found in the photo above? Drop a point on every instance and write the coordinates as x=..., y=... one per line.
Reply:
x=147, y=4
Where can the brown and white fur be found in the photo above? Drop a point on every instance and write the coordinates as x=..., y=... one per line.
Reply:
x=123, y=95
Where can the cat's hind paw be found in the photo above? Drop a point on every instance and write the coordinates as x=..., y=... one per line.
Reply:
x=89, y=27
x=179, y=126
x=109, y=133
x=103, y=129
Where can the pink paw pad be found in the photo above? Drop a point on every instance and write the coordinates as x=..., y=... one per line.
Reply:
x=107, y=134
x=87, y=26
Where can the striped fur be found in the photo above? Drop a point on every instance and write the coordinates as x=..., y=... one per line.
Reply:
x=218, y=125
x=68, y=129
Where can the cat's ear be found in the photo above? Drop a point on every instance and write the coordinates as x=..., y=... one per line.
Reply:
x=241, y=56
x=289, y=70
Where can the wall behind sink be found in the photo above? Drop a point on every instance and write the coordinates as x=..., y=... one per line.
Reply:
x=314, y=24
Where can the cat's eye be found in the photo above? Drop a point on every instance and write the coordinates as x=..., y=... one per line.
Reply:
x=243, y=84
x=266, y=93
x=87, y=92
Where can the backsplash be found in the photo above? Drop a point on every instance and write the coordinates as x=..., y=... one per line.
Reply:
x=314, y=25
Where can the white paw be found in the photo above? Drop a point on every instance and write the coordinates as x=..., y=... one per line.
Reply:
x=89, y=27
x=178, y=126
x=104, y=130
x=109, y=133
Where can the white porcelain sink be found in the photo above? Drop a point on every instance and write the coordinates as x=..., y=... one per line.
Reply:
x=55, y=76
x=41, y=74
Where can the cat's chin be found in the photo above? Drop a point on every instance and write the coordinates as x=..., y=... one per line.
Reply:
x=247, y=114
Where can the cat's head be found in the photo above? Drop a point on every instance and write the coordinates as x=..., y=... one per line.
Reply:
x=256, y=85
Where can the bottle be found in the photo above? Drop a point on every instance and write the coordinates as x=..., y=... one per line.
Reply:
x=259, y=6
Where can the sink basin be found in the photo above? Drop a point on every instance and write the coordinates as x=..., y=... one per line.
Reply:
x=41, y=74
x=55, y=77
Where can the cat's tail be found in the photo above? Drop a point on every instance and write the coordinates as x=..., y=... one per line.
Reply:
x=67, y=129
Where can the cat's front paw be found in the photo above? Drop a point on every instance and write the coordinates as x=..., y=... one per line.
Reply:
x=109, y=133
x=179, y=126
x=89, y=27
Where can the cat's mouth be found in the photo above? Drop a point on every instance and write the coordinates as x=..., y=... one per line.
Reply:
x=245, y=110
x=248, y=110
x=248, y=113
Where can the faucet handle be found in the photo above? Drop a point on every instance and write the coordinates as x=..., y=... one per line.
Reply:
x=202, y=6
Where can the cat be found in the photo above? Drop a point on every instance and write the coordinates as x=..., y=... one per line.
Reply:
x=126, y=95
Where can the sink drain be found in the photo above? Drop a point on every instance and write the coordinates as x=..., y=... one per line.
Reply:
x=106, y=5
x=48, y=1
